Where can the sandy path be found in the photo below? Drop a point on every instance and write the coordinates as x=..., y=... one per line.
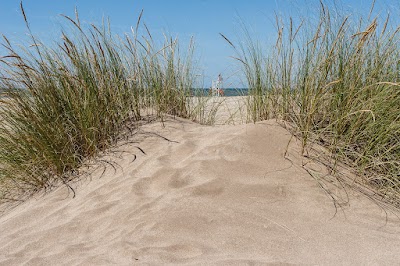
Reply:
x=220, y=195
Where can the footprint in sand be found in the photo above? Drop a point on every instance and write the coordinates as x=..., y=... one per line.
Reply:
x=180, y=180
x=211, y=189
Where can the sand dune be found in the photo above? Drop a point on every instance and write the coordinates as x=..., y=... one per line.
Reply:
x=222, y=195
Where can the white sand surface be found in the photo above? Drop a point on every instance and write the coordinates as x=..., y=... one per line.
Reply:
x=222, y=195
x=220, y=110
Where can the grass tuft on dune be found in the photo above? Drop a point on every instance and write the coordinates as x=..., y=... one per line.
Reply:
x=75, y=98
x=337, y=82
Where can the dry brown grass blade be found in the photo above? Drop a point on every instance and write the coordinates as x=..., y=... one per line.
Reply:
x=226, y=39
x=77, y=17
x=138, y=21
x=73, y=22
x=23, y=14
x=298, y=29
x=240, y=60
x=371, y=9
x=385, y=24
x=148, y=32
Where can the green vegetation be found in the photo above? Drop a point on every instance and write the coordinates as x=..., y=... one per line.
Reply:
x=336, y=82
x=77, y=97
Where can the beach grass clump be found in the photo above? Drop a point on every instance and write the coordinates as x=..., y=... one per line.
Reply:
x=204, y=107
x=337, y=81
x=251, y=56
x=66, y=102
x=166, y=76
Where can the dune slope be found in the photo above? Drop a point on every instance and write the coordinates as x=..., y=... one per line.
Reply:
x=211, y=195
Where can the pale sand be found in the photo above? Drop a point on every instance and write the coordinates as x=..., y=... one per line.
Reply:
x=231, y=111
x=226, y=110
x=222, y=195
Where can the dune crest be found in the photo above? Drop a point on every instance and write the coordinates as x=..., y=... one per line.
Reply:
x=221, y=195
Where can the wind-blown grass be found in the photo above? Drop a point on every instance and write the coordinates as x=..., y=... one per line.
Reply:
x=75, y=99
x=337, y=82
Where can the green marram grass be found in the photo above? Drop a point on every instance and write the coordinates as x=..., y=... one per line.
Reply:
x=76, y=98
x=337, y=82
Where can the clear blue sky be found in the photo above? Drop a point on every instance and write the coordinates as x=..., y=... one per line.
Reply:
x=203, y=19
